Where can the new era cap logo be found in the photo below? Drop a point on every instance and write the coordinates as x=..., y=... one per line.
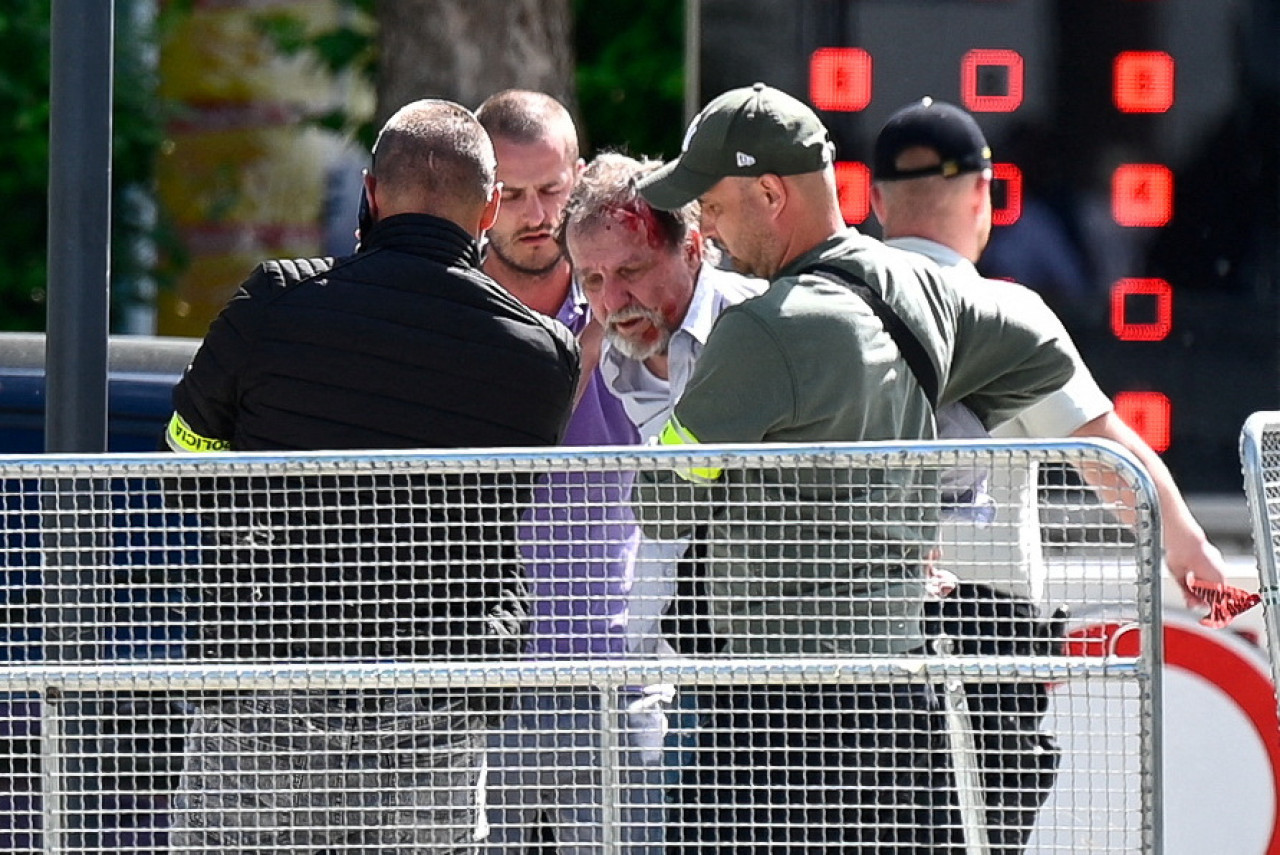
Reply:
x=745, y=159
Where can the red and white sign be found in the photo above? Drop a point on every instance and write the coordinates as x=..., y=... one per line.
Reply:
x=1221, y=746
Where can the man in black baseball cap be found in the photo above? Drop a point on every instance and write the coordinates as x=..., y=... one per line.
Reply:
x=932, y=195
x=931, y=176
x=952, y=135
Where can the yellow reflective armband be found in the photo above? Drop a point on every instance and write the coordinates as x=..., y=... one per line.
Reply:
x=181, y=437
x=674, y=433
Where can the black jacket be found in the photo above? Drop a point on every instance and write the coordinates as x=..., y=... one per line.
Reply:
x=406, y=344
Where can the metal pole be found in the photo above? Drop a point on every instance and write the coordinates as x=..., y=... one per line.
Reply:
x=81, y=40
x=51, y=771
x=81, y=74
x=1150, y=554
x=692, y=58
x=610, y=763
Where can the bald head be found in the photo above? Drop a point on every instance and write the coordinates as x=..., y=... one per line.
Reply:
x=525, y=117
x=434, y=157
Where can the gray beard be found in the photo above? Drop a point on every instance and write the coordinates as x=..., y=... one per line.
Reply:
x=639, y=351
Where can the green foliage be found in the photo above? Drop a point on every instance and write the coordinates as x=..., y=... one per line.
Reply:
x=345, y=49
x=24, y=151
x=24, y=102
x=631, y=75
x=338, y=50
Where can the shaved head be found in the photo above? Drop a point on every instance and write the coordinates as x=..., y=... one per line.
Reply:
x=525, y=117
x=434, y=157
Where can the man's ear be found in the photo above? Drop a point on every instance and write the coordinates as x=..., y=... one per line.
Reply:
x=982, y=190
x=877, y=202
x=489, y=215
x=693, y=250
x=773, y=190
x=371, y=194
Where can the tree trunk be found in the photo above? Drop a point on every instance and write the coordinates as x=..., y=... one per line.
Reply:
x=465, y=50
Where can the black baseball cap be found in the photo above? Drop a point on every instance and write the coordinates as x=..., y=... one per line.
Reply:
x=943, y=127
x=755, y=130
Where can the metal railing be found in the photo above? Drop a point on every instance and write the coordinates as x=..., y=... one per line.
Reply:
x=1260, y=461
x=322, y=651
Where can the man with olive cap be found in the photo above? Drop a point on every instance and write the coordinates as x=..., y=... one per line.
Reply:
x=851, y=341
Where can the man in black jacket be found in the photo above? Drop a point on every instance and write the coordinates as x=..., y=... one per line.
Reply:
x=406, y=344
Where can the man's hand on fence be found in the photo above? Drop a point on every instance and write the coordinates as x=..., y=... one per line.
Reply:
x=938, y=583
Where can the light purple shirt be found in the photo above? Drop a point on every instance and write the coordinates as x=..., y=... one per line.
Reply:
x=579, y=543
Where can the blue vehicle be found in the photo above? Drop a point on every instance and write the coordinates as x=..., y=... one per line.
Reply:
x=141, y=374
x=144, y=733
x=142, y=371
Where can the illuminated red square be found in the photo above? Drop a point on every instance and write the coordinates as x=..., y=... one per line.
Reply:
x=840, y=79
x=1150, y=414
x=1142, y=82
x=1129, y=297
x=853, y=183
x=991, y=80
x=1010, y=208
x=1142, y=194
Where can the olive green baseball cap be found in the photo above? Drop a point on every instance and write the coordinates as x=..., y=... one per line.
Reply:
x=755, y=130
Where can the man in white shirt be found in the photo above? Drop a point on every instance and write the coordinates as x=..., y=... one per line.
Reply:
x=931, y=192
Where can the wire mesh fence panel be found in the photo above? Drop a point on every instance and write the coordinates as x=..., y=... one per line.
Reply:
x=1260, y=462
x=879, y=648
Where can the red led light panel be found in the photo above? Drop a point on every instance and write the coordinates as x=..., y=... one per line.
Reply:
x=1011, y=177
x=1131, y=294
x=1142, y=194
x=991, y=80
x=1150, y=414
x=1142, y=82
x=840, y=79
x=853, y=183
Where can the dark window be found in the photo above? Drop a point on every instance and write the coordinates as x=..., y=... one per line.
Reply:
x=1136, y=147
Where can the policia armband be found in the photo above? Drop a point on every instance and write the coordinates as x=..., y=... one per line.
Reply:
x=180, y=437
x=674, y=433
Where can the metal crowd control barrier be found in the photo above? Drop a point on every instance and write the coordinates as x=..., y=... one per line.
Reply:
x=1260, y=460
x=323, y=652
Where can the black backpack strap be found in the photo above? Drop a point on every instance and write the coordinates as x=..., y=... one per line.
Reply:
x=917, y=358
